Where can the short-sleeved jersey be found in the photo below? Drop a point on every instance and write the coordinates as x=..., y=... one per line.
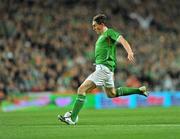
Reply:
x=105, y=49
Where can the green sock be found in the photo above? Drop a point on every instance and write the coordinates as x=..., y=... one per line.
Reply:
x=124, y=91
x=78, y=106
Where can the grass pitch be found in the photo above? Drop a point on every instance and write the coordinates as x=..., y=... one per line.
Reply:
x=140, y=123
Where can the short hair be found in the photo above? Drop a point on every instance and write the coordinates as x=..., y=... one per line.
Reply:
x=100, y=18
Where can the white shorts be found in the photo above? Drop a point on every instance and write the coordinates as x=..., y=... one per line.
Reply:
x=102, y=76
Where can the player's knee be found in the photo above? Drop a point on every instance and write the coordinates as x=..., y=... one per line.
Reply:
x=111, y=95
x=81, y=90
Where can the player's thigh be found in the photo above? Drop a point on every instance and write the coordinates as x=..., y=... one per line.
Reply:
x=86, y=86
x=110, y=91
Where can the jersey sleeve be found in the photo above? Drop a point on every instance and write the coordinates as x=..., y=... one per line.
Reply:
x=114, y=35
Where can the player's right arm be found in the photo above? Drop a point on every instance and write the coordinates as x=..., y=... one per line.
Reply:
x=120, y=39
x=127, y=47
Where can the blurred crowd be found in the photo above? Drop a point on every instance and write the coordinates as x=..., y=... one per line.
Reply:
x=48, y=45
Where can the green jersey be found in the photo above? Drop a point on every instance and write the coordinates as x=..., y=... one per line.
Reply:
x=105, y=49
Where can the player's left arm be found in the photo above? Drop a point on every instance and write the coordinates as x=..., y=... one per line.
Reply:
x=127, y=47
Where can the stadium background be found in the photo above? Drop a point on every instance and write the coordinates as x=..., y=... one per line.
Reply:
x=48, y=45
x=46, y=51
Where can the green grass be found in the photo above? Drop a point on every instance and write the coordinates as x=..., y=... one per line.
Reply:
x=141, y=123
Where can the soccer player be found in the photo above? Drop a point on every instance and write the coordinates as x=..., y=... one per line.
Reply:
x=105, y=61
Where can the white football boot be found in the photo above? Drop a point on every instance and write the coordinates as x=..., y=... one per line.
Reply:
x=66, y=120
x=144, y=91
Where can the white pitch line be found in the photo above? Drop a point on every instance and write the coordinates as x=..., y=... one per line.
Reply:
x=155, y=125
x=142, y=125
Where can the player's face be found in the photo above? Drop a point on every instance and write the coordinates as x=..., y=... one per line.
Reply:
x=97, y=27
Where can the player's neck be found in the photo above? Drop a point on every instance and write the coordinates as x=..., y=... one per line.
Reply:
x=104, y=29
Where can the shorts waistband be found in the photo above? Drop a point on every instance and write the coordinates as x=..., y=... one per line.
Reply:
x=102, y=67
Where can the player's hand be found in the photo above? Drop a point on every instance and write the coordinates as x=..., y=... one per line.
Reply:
x=131, y=57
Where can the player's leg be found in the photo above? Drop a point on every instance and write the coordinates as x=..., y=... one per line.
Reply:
x=111, y=91
x=85, y=87
x=95, y=79
x=124, y=91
